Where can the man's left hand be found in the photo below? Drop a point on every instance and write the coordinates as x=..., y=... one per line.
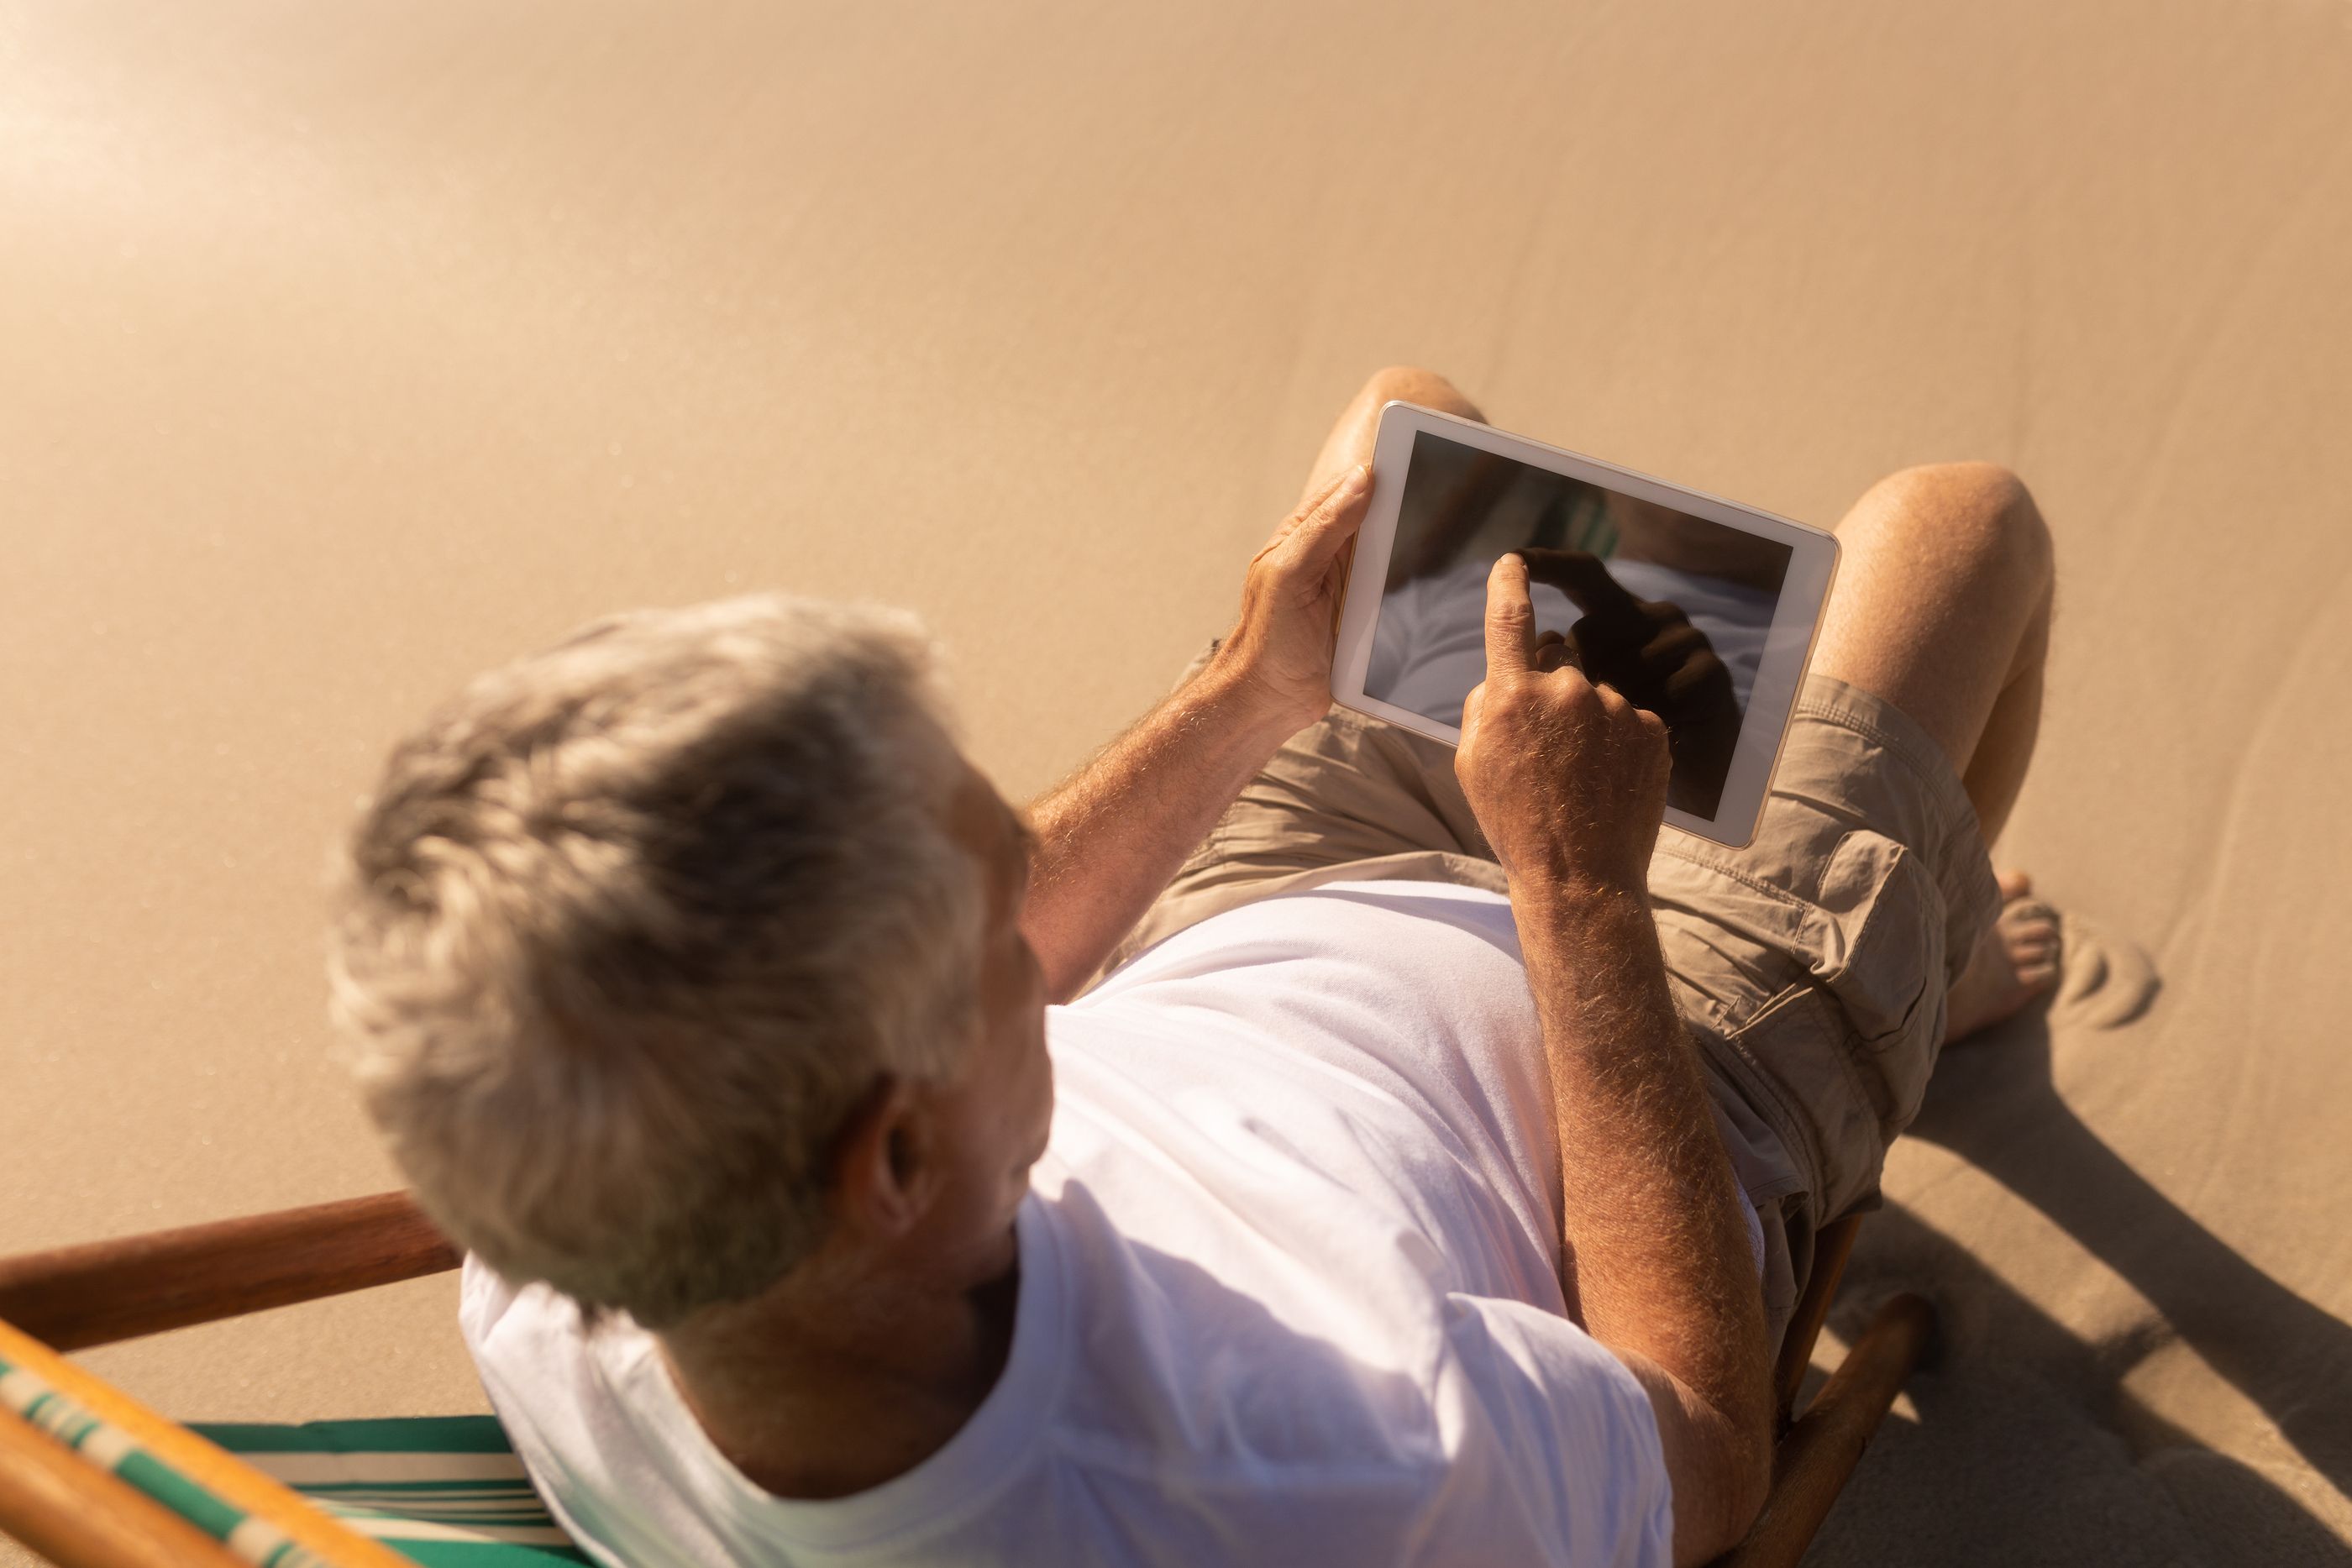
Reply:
x=1280, y=650
x=1110, y=836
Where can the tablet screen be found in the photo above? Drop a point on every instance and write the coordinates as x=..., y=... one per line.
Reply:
x=1673, y=609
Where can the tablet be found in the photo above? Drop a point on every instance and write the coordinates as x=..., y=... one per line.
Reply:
x=1619, y=564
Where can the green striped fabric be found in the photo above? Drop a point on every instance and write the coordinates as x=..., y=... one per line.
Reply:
x=444, y=1490
x=112, y=1449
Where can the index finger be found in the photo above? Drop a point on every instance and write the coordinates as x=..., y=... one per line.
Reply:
x=1579, y=575
x=1510, y=620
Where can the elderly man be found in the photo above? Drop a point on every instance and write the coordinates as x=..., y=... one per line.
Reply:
x=1426, y=1179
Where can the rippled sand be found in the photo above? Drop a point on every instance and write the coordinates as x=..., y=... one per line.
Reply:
x=346, y=350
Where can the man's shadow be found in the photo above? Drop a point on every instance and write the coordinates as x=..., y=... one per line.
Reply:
x=1995, y=1103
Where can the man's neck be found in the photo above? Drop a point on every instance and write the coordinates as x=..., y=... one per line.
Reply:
x=816, y=1393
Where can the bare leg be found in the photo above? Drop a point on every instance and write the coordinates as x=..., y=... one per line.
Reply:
x=1943, y=608
x=1350, y=440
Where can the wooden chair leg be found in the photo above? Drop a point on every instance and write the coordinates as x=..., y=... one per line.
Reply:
x=1832, y=1246
x=1819, y=1450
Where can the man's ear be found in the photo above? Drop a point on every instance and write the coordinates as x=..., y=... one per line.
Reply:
x=881, y=1175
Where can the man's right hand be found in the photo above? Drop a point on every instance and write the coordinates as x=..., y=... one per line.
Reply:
x=1567, y=779
x=1649, y=650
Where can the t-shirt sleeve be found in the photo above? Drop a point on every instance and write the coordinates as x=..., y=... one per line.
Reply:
x=1551, y=1440
x=483, y=1298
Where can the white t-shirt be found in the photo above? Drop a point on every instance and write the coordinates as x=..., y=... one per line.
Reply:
x=1289, y=1293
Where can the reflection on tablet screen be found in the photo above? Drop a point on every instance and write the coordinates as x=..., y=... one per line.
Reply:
x=1672, y=609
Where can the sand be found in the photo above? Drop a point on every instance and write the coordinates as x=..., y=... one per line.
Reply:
x=351, y=349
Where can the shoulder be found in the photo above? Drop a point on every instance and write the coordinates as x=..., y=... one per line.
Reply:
x=484, y=1299
x=491, y=1309
x=555, y=1381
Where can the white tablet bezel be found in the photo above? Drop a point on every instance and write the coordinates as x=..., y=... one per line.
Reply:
x=1788, y=645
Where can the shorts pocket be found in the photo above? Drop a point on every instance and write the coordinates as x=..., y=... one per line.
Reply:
x=1865, y=922
x=1861, y=927
x=1878, y=937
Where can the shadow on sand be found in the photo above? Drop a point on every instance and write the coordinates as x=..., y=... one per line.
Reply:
x=2025, y=1410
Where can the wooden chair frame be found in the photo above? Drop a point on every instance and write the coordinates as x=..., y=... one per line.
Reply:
x=73, y=1297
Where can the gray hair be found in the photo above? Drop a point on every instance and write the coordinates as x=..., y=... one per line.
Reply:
x=633, y=925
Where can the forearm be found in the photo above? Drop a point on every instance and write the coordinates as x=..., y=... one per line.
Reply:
x=1113, y=835
x=1658, y=1258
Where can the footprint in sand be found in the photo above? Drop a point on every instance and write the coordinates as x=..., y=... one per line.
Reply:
x=2091, y=976
x=2105, y=978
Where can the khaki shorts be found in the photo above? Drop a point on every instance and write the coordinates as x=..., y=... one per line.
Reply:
x=1812, y=966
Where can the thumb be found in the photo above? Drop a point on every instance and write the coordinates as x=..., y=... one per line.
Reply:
x=1316, y=537
x=1473, y=710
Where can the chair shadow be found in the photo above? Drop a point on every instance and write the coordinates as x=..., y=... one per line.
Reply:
x=1996, y=1103
x=2013, y=1457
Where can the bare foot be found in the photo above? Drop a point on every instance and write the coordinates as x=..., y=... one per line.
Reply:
x=2016, y=962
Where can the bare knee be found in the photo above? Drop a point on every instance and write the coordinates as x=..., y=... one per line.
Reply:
x=1352, y=439
x=1974, y=520
x=1411, y=384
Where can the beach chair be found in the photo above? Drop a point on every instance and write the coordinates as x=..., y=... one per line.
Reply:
x=90, y=1479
